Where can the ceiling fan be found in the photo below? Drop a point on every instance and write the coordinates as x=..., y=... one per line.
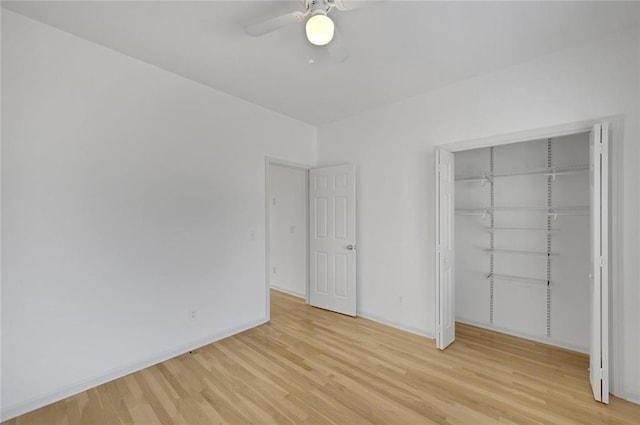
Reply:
x=319, y=27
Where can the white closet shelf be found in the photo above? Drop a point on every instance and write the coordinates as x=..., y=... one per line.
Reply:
x=549, y=172
x=522, y=279
x=520, y=252
x=555, y=214
x=539, y=229
x=550, y=211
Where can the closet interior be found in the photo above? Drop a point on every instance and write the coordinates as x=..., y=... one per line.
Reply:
x=522, y=238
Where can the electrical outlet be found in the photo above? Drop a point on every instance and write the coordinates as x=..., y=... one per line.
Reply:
x=274, y=270
x=193, y=315
x=292, y=229
x=400, y=299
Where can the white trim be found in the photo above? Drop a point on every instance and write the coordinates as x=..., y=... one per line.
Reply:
x=436, y=268
x=633, y=398
x=616, y=257
x=531, y=337
x=287, y=164
x=395, y=325
x=527, y=135
x=288, y=292
x=275, y=162
x=12, y=411
x=616, y=218
x=605, y=259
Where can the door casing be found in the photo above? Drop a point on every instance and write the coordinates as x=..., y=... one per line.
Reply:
x=615, y=222
x=269, y=162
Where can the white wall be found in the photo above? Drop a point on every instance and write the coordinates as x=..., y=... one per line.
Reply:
x=288, y=229
x=130, y=196
x=393, y=146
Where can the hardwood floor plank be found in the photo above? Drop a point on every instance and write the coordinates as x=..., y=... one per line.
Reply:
x=310, y=366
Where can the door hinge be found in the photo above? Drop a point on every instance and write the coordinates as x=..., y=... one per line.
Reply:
x=601, y=262
x=602, y=373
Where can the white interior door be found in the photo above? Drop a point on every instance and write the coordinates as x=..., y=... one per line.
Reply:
x=599, y=351
x=445, y=283
x=332, y=238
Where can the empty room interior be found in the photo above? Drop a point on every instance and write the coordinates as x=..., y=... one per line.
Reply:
x=320, y=212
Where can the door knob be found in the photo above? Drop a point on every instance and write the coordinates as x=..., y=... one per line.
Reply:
x=351, y=247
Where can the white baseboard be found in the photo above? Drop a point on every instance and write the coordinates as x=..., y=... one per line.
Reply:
x=633, y=398
x=536, y=338
x=289, y=292
x=393, y=324
x=8, y=412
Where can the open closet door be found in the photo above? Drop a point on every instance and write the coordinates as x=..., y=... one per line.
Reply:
x=445, y=294
x=599, y=183
x=332, y=238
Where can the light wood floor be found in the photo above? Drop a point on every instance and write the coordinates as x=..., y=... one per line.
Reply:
x=310, y=366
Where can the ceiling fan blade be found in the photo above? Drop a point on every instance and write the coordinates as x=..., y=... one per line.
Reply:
x=344, y=5
x=337, y=48
x=272, y=24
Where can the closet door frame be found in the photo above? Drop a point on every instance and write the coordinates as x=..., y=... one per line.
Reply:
x=615, y=219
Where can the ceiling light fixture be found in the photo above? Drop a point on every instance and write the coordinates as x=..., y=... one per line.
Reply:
x=319, y=28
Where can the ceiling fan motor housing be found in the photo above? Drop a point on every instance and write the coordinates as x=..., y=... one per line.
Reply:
x=319, y=6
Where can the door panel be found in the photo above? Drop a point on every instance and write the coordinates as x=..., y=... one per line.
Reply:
x=320, y=220
x=320, y=278
x=445, y=267
x=598, y=181
x=332, y=195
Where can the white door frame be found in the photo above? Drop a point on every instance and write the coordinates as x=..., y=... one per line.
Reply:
x=445, y=261
x=268, y=162
x=616, y=175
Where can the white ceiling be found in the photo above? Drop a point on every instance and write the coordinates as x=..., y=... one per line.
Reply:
x=397, y=49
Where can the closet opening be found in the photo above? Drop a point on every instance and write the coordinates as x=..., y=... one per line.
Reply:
x=522, y=243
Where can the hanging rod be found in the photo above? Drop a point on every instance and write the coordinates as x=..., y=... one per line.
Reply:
x=522, y=279
x=519, y=252
x=482, y=212
x=482, y=179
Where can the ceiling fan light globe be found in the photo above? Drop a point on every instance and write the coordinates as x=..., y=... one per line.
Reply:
x=319, y=29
